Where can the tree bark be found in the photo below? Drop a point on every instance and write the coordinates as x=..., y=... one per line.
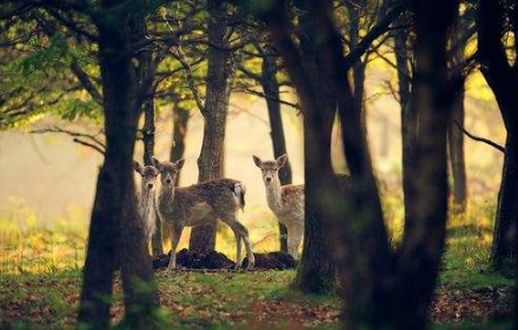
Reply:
x=382, y=289
x=503, y=81
x=148, y=138
x=456, y=148
x=270, y=87
x=219, y=81
x=180, y=122
x=115, y=230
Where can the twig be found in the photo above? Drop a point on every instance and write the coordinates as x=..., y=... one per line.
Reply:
x=94, y=143
x=480, y=139
x=87, y=144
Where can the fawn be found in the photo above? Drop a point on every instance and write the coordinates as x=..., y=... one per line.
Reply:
x=146, y=206
x=286, y=202
x=201, y=204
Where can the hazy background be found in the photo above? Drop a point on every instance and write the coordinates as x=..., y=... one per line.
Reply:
x=55, y=177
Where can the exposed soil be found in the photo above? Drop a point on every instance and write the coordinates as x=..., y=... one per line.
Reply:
x=216, y=260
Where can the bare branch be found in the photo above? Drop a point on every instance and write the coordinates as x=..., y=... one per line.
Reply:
x=90, y=145
x=75, y=135
x=480, y=139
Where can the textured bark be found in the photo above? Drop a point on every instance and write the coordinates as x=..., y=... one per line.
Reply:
x=270, y=87
x=219, y=81
x=382, y=289
x=456, y=148
x=503, y=81
x=408, y=117
x=148, y=138
x=114, y=229
x=180, y=122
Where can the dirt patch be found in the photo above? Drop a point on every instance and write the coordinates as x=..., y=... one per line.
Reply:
x=217, y=260
x=452, y=305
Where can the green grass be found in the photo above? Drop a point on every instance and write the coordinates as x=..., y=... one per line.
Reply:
x=40, y=278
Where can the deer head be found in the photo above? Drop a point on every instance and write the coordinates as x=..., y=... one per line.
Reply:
x=270, y=168
x=168, y=170
x=148, y=173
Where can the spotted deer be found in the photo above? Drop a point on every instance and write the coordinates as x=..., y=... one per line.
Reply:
x=286, y=202
x=201, y=204
x=146, y=206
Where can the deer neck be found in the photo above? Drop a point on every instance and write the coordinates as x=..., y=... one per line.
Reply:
x=166, y=193
x=273, y=195
x=146, y=201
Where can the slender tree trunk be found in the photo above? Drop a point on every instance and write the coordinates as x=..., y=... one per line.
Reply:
x=270, y=87
x=148, y=138
x=219, y=81
x=456, y=148
x=180, y=122
x=148, y=132
x=408, y=117
x=114, y=225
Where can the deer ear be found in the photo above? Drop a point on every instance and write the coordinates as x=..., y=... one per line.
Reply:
x=281, y=160
x=156, y=163
x=258, y=162
x=179, y=163
x=137, y=167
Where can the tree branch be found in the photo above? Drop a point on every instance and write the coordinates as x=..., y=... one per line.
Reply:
x=480, y=139
x=86, y=82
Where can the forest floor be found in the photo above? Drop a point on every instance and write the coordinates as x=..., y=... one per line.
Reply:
x=38, y=292
x=240, y=300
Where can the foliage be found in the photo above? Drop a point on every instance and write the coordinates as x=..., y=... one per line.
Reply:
x=38, y=81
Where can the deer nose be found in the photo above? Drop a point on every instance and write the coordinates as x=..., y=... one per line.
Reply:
x=168, y=181
x=268, y=179
x=149, y=185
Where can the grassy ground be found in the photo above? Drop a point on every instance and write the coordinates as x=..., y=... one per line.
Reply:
x=40, y=282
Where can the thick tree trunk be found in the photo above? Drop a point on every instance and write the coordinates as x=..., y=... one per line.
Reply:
x=503, y=249
x=270, y=87
x=114, y=228
x=316, y=269
x=219, y=81
x=501, y=77
x=456, y=148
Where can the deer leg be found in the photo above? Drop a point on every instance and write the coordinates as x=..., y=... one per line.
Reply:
x=243, y=232
x=237, y=235
x=176, y=233
x=294, y=238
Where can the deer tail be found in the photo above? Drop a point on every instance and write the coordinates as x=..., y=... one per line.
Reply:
x=239, y=191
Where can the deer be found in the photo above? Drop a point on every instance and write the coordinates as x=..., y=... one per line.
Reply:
x=286, y=202
x=146, y=205
x=201, y=204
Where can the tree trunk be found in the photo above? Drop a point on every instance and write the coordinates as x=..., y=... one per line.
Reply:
x=114, y=225
x=503, y=81
x=456, y=148
x=503, y=250
x=148, y=138
x=219, y=81
x=408, y=117
x=270, y=87
x=180, y=122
